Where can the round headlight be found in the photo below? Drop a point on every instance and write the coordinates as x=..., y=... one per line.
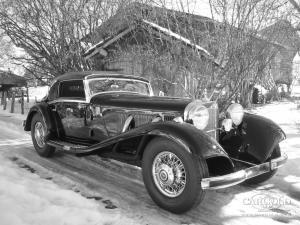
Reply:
x=236, y=113
x=198, y=113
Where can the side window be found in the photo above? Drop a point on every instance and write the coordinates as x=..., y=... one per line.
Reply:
x=53, y=92
x=72, y=88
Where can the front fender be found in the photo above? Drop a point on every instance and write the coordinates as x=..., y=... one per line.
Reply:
x=190, y=138
x=186, y=135
x=261, y=135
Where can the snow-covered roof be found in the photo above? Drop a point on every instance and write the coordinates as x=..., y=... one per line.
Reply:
x=94, y=46
x=104, y=43
x=177, y=36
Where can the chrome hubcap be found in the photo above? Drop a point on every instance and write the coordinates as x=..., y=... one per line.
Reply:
x=39, y=134
x=169, y=174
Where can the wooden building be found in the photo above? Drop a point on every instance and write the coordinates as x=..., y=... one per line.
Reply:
x=283, y=33
x=175, y=50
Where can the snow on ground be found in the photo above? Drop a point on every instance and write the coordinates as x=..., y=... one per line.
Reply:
x=287, y=115
x=37, y=93
x=25, y=198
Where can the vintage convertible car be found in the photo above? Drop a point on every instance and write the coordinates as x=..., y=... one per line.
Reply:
x=184, y=147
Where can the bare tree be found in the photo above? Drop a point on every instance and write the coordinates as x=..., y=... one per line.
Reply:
x=238, y=55
x=52, y=32
x=173, y=49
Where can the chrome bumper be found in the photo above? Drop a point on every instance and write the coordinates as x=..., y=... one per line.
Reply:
x=231, y=179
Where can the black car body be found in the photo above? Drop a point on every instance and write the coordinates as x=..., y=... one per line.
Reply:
x=183, y=146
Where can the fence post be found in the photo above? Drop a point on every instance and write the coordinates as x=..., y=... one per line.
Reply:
x=2, y=98
x=5, y=100
x=27, y=92
x=12, y=109
x=22, y=103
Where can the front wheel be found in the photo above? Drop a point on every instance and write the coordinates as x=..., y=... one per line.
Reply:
x=172, y=175
x=39, y=133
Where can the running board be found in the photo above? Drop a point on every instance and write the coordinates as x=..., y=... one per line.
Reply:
x=83, y=149
x=78, y=148
x=68, y=147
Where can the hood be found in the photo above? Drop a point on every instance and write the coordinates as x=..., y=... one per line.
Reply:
x=129, y=100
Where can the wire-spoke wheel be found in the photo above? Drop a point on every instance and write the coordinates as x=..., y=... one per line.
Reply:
x=169, y=174
x=39, y=133
x=172, y=175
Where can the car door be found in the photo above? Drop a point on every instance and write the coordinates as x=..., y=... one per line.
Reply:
x=71, y=108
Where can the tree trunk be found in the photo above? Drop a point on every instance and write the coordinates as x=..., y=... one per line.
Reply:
x=22, y=103
x=5, y=100
x=12, y=108
x=246, y=95
x=27, y=93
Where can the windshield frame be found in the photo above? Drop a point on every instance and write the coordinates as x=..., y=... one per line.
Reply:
x=88, y=91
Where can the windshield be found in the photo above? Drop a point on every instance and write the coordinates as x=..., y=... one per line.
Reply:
x=118, y=85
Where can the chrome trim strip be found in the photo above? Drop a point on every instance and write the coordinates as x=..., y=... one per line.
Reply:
x=127, y=123
x=66, y=100
x=231, y=179
x=208, y=131
x=134, y=110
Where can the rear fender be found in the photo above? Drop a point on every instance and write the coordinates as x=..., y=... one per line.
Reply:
x=45, y=111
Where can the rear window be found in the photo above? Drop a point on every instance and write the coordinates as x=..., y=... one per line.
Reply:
x=72, y=88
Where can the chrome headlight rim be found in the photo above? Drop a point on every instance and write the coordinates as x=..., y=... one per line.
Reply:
x=198, y=113
x=236, y=113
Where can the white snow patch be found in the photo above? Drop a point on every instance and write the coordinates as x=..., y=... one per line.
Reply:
x=25, y=198
x=282, y=113
x=93, y=47
x=38, y=92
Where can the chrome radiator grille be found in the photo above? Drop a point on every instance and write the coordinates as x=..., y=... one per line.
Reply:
x=141, y=118
x=168, y=117
x=211, y=128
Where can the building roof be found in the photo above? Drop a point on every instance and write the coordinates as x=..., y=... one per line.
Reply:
x=282, y=33
x=93, y=50
x=95, y=74
x=131, y=17
x=136, y=11
x=8, y=78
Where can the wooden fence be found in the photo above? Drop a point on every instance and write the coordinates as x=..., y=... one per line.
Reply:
x=18, y=104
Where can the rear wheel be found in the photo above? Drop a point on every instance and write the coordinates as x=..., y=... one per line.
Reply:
x=39, y=133
x=172, y=175
x=266, y=176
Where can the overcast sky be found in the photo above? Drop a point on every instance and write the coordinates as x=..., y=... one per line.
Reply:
x=199, y=7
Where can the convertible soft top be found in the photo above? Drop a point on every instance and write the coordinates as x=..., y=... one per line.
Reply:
x=96, y=74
